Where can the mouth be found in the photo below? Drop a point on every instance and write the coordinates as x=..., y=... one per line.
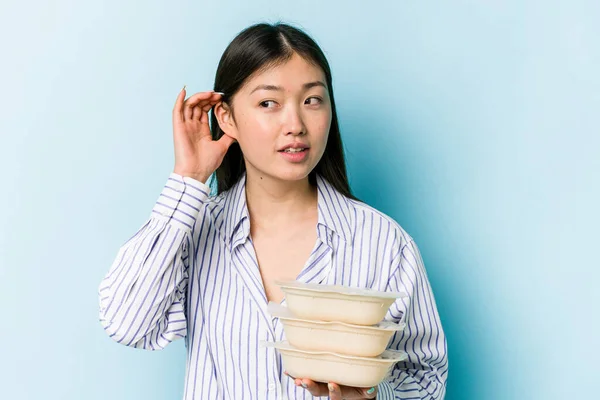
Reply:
x=294, y=155
x=293, y=151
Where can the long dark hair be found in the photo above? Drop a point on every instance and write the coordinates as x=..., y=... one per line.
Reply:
x=256, y=49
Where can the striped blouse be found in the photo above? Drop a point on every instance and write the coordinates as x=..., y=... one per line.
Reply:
x=191, y=272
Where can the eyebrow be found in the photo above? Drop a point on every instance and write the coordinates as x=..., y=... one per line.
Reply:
x=306, y=86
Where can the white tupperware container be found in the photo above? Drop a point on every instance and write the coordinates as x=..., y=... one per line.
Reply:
x=327, y=367
x=357, y=306
x=336, y=337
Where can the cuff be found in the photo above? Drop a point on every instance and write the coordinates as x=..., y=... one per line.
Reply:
x=385, y=391
x=181, y=200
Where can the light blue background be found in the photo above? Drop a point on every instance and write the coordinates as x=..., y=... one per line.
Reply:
x=475, y=124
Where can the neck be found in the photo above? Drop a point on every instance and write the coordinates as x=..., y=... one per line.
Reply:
x=273, y=203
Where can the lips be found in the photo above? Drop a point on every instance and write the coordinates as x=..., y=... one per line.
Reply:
x=301, y=146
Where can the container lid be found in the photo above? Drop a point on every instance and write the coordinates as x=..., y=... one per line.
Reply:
x=279, y=311
x=340, y=289
x=385, y=357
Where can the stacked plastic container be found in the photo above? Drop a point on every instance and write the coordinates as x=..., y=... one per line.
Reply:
x=336, y=333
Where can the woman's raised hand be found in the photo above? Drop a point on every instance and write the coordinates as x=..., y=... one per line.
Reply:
x=197, y=155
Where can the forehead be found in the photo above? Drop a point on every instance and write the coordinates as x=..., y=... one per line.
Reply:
x=291, y=75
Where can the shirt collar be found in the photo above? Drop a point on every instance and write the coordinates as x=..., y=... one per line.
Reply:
x=335, y=212
x=236, y=221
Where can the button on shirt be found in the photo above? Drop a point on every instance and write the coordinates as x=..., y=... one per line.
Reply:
x=191, y=272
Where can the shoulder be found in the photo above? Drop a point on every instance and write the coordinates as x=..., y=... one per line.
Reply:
x=361, y=219
x=367, y=215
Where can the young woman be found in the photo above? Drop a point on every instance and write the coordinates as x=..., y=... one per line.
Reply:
x=202, y=267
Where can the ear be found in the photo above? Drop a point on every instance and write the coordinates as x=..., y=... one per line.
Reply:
x=225, y=119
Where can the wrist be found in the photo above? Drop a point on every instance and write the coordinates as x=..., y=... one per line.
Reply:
x=200, y=177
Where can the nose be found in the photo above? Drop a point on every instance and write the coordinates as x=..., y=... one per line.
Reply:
x=293, y=122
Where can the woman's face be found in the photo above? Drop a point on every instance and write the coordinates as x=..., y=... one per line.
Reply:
x=287, y=104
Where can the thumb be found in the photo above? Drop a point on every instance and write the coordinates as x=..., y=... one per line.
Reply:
x=226, y=140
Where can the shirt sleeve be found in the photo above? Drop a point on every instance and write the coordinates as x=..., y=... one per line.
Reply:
x=142, y=298
x=423, y=375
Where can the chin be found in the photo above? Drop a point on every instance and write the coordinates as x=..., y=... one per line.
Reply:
x=291, y=175
x=288, y=174
x=285, y=172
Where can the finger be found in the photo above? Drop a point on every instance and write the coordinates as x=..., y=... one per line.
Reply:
x=349, y=392
x=205, y=107
x=226, y=141
x=178, y=108
x=291, y=377
x=335, y=393
x=370, y=393
x=208, y=106
x=297, y=382
x=316, y=389
x=196, y=113
x=198, y=99
x=204, y=116
x=202, y=99
x=187, y=111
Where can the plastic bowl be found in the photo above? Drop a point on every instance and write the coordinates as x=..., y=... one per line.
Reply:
x=345, y=370
x=337, y=337
x=338, y=303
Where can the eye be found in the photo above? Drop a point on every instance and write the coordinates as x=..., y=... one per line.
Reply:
x=319, y=100
x=266, y=102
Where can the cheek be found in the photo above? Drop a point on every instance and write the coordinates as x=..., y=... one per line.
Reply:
x=321, y=127
x=260, y=125
x=255, y=133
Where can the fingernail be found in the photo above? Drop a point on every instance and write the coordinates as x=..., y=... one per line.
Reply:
x=330, y=387
x=221, y=93
x=370, y=391
x=184, y=86
x=304, y=385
